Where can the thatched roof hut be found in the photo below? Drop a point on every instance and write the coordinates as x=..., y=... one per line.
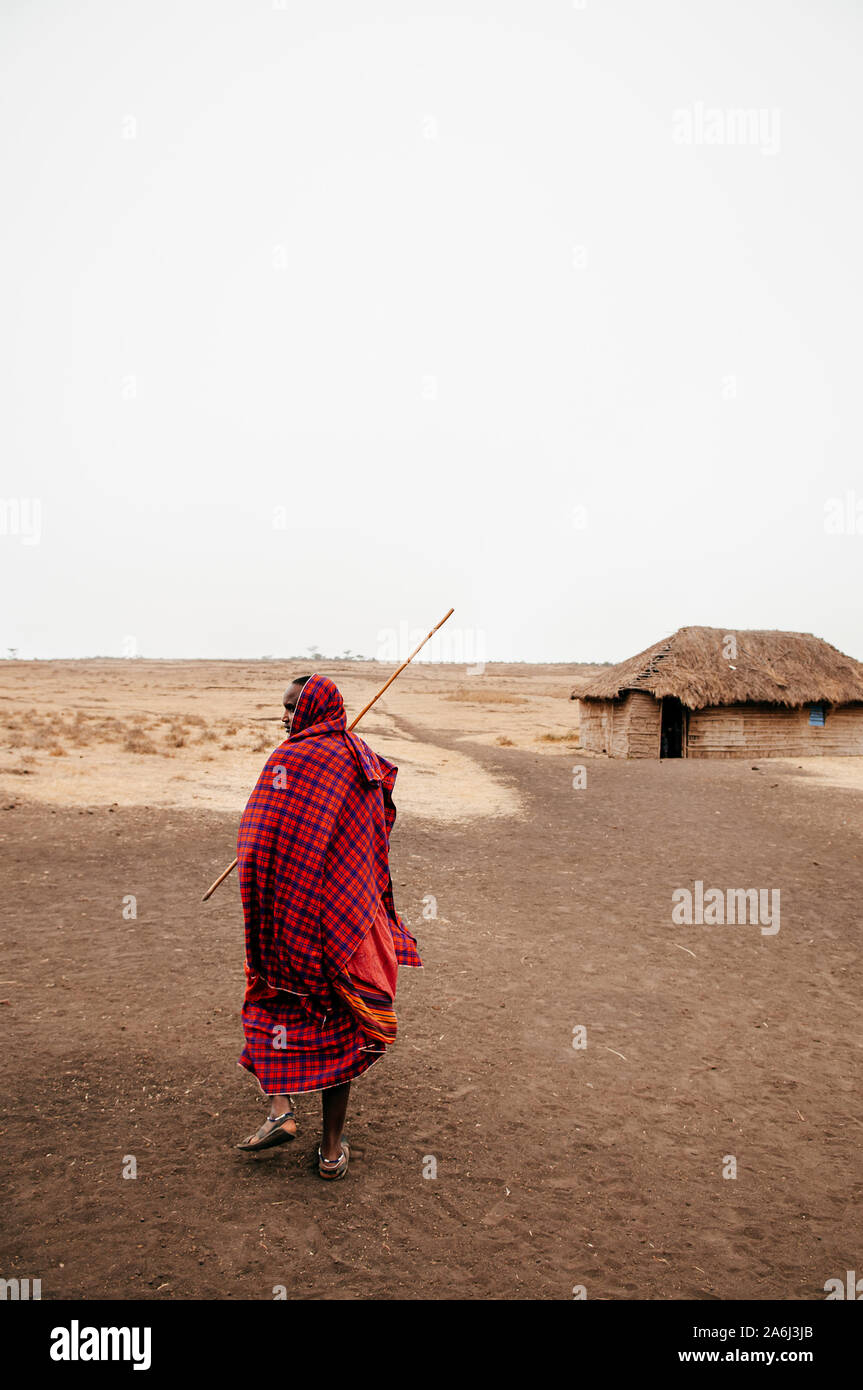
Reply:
x=708, y=692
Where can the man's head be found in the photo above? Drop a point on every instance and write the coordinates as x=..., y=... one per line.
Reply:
x=292, y=695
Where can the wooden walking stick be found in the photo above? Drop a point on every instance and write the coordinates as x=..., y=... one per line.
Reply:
x=232, y=866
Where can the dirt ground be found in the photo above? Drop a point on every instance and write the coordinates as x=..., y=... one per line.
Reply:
x=554, y=1166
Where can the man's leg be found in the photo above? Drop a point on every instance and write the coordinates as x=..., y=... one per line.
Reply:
x=334, y=1103
x=278, y=1106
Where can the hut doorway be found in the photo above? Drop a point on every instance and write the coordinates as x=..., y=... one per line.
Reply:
x=671, y=735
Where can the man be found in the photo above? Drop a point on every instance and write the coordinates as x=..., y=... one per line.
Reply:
x=323, y=938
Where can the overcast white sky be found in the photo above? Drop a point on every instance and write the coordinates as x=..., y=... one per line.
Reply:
x=471, y=292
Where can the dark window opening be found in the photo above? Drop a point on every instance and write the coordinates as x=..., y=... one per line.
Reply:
x=817, y=715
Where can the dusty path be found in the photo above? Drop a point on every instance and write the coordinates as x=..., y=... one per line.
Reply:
x=555, y=1167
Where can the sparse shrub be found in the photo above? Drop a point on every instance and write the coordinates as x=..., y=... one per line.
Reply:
x=138, y=742
x=109, y=731
x=79, y=732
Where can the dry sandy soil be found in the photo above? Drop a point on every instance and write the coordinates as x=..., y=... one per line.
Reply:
x=556, y=1166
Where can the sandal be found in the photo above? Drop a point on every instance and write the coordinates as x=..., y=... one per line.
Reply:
x=334, y=1167
x=279, y=1134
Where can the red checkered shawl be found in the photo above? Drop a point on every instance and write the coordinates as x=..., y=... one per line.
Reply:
x=313, y=851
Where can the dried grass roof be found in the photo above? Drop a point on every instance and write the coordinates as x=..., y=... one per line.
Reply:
x=783, y=668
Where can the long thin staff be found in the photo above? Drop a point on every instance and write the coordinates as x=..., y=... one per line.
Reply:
x=233, y=864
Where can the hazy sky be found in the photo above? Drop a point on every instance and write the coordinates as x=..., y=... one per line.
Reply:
x=320, y=318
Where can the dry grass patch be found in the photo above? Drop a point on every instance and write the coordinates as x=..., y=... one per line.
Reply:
x=485, y=697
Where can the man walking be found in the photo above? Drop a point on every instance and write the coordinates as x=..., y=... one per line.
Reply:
x=323, y=938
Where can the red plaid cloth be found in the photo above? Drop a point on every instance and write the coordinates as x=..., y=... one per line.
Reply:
x=288, y=1052
x=313, y=851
